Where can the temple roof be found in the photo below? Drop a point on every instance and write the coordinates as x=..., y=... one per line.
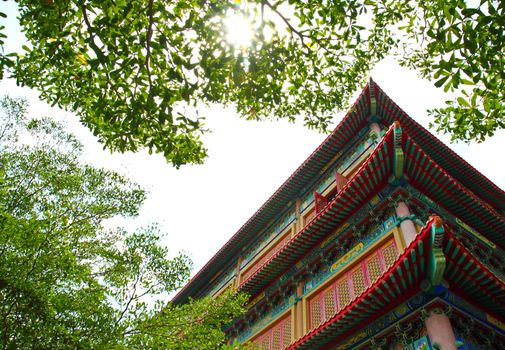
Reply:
x=422, y=172
x=462, y=178
x=461, y=170
x=432, y=179
x=375, y=172
x=465, y=275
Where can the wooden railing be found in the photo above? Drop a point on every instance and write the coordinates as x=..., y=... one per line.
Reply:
x=349, y=285
x=276, y=337
x=267, y=254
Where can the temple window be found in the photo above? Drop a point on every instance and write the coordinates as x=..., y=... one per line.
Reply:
x=276, y=337
x=308, y=216
x=349, y=285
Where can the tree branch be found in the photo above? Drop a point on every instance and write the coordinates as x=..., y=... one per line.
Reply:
x=99, y=53
x=132, y=297
x=292, y=29
x=148, y=46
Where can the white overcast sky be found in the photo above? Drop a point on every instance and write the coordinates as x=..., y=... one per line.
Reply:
x=200, y=207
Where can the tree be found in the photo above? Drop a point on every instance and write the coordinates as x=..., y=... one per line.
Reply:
x=66, y=282
x=130, y=68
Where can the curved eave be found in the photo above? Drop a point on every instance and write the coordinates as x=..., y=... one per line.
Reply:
x=384, y=295
x=430, y=178
x=468, y=277
x=354, y=120
x=465, y=275
x=367, y=182
x=389, y=112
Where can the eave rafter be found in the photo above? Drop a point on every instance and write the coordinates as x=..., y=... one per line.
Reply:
x=472, y=278
x=431, y=179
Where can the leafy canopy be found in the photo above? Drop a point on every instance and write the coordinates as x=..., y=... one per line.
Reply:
x=134, y=70
x=67, y=282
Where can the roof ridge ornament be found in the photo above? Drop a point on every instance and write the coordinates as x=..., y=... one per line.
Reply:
x=373, y=99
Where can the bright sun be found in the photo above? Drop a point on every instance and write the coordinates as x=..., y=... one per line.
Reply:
x=239, y=31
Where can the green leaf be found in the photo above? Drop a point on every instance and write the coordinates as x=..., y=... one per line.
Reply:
x=463, y=102
x=441, y=81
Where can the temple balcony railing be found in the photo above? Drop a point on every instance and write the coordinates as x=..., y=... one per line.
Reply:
x=266, y=254
x=349, y=283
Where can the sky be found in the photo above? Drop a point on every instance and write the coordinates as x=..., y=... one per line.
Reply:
x=201, y=206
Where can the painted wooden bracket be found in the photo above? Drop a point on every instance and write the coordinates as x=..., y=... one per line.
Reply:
x=399, y=157
x=436, y=257
x=373, y=106
x=411, y=217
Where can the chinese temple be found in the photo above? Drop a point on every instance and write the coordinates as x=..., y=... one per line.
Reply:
x=383, y=238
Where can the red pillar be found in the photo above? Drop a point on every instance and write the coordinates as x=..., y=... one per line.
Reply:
x=375, y=127
x=440, y=331
x=299, y=331
x=409, y=231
